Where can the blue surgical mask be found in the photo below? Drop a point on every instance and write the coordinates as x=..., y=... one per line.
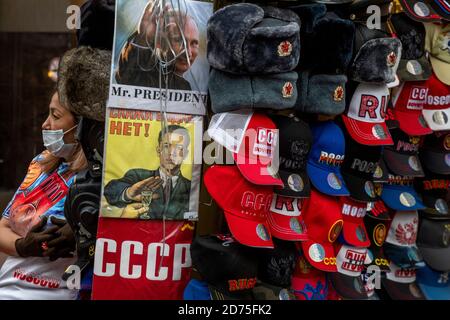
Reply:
x=54, y=142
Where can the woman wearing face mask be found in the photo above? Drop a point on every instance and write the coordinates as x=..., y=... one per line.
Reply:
x=34, y=219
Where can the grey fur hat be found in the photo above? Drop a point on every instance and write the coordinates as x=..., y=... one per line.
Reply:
x=247, y=39
x=377, y=56
x=234, y=92
x=83, y=81
x=321, y=93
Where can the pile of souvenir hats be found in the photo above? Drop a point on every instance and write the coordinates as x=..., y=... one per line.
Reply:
x=340, y=135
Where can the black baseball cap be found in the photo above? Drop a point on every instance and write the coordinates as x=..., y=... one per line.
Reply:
x=377, y=230
x=442, y=8
x=229, y=268
x=400, y=284
x=265, y=291
x=433, y=189
x=276, y=266
x=295, y=140
x=381, y=173
x=435, y=152
x=433, y=241
x=414, y=64
x=358, y=169
x=420, y=10
x=402, y=158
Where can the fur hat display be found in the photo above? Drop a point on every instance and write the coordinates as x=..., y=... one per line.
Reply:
x=83, y=81
x=264, y=40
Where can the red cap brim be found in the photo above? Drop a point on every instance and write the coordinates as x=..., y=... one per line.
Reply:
x=287, y=227
x=256, y=172
x=410, y=123
x=364, y=132
x=252, y=233
x=321, y=256
x=355, y=233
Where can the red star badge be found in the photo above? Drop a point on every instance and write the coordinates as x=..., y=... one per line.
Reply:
x=284, y=49
x=338, y=94
x=391, y=59
x=287, y=90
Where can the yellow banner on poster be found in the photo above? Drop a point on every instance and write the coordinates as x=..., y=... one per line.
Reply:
x=150, y=173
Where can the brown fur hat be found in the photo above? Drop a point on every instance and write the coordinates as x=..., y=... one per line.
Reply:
x=83, y=81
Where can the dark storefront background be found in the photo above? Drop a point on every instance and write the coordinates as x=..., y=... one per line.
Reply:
x=32, y=32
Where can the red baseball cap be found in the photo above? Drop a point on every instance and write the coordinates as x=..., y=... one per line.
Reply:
x=436, y=110
x=285, y=218
x=323, y=218
x=257, y=151
x=253, y=139
x=353, y=213
x=364, y=118
x=245, y=205
x=408, y=101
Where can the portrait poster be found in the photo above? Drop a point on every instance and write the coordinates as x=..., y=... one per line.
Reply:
x=151, y=171
x=159, y=56
x=142, y=260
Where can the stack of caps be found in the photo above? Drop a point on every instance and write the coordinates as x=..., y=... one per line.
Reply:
x=268, y=152
x=345, y=190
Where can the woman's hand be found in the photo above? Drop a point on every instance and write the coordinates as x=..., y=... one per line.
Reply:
x=63, y=244
x=34, y=244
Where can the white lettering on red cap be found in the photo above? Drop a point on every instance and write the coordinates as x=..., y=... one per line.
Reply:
x=353, y=211
x=438, y=100
x=417, y=98
x=266, y=140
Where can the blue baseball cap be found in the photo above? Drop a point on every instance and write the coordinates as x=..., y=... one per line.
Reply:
x=196, y=290
x=435, y=285
x=402, y=198
x=325, y=159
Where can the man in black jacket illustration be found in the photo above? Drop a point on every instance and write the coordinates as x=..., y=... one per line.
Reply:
x=168, y=188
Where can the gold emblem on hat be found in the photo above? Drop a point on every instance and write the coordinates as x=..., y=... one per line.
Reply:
x=391, y=59
x=447, y=142
x=414, y=139
x=379, y=234
x=338, y=94
x=288, y=90
x=284, y=49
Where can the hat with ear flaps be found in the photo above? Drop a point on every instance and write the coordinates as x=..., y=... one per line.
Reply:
x=247, y=39
x=83, y=81
x=377, y=56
